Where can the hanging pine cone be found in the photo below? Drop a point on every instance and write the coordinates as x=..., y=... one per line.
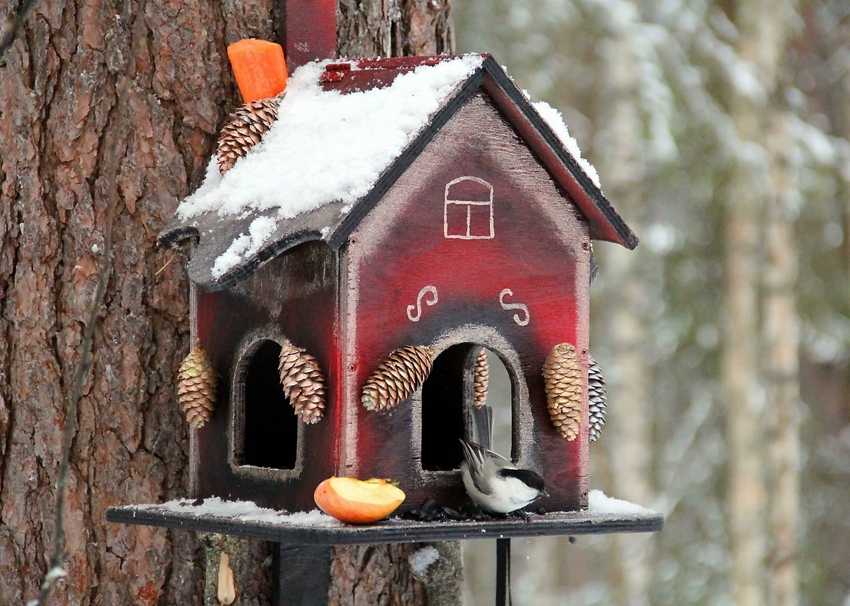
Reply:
x=397, y=377
x=303, y=382
x=196, y=388
x=563, y=379
x=245, y=128
x=597, y=396
x=480, y=379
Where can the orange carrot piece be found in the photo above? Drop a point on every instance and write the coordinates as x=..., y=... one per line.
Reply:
x=259, y=68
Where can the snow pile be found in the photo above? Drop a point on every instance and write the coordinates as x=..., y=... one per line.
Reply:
x=245, y=246
x=245, y=511
x=599, y=502
x=326, y=146
x=422, y=559
x=556, y=122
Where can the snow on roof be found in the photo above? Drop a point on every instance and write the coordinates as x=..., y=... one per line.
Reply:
x=326, y=146
x=327, y=150
x=556, y=122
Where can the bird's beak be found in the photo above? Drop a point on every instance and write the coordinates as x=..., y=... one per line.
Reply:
x=544, y=493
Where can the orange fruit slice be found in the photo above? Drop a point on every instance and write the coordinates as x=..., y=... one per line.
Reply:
x=358, y=501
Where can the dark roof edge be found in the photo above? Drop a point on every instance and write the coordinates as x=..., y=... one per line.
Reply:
x=174, y=236
x=489, y=67
x=363, y=206
x=627, y=236
x=267, y=253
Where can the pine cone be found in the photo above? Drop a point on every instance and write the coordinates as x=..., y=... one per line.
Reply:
x=563, y=379
x=303, y=382
x=397, y=377
x=196, y=388
x=245, y=128
x=480, y=379
x=597, y=396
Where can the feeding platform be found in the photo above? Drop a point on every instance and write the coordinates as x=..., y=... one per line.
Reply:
x=314, y=528
x=303, y=553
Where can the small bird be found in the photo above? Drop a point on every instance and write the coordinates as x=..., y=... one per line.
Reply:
x=496, y=484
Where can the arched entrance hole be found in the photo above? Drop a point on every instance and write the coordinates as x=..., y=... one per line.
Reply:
x=268, y=433
x=449, y=409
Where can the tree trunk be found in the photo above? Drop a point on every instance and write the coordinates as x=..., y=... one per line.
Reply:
x=781, y=341
x=760, y=44
x=629, y=439
x=115, y=107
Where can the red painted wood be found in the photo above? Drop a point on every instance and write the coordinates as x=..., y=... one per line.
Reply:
x=538, y=252
x=294, y=297
x=309, y=31
x=601, y=227
x=352, y=311
x=372, y=73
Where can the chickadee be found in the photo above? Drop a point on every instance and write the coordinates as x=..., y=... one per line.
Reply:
x=494, y=483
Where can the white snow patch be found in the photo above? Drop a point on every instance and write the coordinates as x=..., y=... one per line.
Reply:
x=244, y=246
x=556, y=122
x=326, y=146
x=422, y=559
x=245, y=511
x=599, y=502
x=57, y=572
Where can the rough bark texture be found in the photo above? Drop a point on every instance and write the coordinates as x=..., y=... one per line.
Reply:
x=102, y=105
x=251, y=563
x=378, y=575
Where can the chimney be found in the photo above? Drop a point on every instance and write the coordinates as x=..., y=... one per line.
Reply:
x=309, y=31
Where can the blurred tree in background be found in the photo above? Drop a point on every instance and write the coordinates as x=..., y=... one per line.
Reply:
x=720, y=130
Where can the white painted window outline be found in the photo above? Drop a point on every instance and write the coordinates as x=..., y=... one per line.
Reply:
x=469, y=204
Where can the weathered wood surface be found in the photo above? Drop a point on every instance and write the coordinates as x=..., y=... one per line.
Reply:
x=309, y=31
x=102, y=105
x=294, y=298
x=540, y=252
x=105, y=105
x=394, y=530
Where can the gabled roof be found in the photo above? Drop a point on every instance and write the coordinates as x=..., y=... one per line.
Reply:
x=346, y=131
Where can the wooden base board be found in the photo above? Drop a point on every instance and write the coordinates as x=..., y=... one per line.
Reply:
x=393, y=530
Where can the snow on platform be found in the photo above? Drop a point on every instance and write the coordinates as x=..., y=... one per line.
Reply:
x=244, y=518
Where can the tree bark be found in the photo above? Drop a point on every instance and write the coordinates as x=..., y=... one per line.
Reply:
x=781, y=342
x=106, y=105
x=629, y=441
x=760, y=43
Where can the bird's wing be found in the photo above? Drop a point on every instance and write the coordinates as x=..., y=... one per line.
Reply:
x=480, y=465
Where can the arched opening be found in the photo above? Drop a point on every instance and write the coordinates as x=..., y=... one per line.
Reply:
x=449, y=411
x=269, y=435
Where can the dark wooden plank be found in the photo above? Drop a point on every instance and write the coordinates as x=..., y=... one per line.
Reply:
x=303, y=575
x=391, y=531
x=545, y=273
x=309, y=31
x=503, y=572
x=271, y=304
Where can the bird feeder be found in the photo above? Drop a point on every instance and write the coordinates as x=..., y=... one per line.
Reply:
x=364, y=234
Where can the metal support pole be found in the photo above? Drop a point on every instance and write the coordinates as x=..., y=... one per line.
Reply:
x=503, y=572
x=303, y=575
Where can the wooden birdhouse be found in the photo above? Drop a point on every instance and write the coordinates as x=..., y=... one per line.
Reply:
x=360, y=240
x=399, y=215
